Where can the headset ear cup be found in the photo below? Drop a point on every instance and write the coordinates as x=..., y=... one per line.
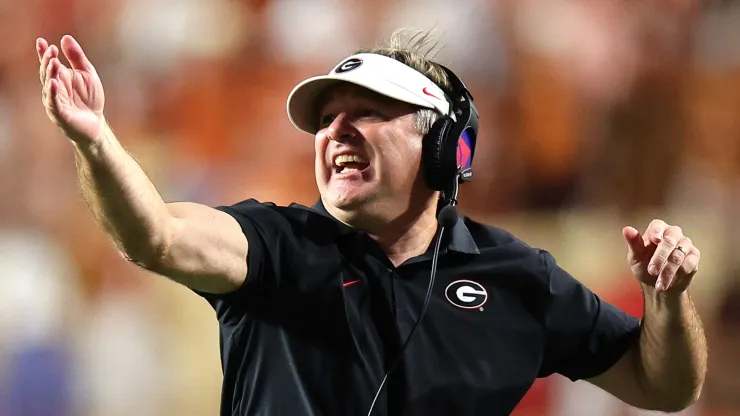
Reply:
x=433, y=153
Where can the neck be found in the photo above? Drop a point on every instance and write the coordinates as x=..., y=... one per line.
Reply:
x=401, y=238
x=406, y=238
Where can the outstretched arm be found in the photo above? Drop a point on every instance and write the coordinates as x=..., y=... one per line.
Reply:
x=198, y=246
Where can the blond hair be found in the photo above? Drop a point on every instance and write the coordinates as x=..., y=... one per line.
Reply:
x=416, y=49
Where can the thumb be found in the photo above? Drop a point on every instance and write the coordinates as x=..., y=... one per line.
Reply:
x=74, y=53
x=635, y=243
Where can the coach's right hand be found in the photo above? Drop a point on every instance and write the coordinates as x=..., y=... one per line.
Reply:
x=73, y=96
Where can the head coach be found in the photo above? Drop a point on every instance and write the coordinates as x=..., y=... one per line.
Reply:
x=381, y=299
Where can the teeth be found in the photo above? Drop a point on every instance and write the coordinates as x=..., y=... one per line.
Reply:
x=342, y=160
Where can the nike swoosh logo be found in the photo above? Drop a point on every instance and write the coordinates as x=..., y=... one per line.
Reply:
x=351, y=283
x=425, y=91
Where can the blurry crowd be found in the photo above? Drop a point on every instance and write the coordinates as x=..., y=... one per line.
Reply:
x=594, y=115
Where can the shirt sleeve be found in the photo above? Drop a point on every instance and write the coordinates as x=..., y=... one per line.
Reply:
x=585, y=335
x=260, y=223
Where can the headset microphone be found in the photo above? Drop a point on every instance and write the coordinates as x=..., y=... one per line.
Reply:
x=447, y=218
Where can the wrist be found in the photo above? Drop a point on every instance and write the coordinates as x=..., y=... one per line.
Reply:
x=95, y=147
x=662, y=299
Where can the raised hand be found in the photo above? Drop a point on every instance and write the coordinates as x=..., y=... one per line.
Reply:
x=662, y=257
x=73, y=96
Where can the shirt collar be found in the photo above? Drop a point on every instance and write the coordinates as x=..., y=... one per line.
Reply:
x=460, y=240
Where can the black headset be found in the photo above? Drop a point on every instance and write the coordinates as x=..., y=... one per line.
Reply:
x=449, y=146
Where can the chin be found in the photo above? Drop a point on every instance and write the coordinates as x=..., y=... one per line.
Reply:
x=345, y=202
x=351, y=206
x=348, y=195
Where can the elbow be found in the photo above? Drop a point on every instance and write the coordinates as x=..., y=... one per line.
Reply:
x=678, y=401
x=144, y=261
x=676, y=406
x=688, y=400
x=147, y=253
x=147, y=249
x=147, y=256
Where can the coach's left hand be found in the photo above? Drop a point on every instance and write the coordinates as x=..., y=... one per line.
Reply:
x=662, y=257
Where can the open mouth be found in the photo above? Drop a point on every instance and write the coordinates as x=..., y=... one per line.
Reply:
x=350, y=163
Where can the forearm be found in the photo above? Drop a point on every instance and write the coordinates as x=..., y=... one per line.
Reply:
x=122, y=198
x=673, y=351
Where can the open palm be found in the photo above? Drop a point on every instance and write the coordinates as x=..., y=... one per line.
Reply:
x=73, y=96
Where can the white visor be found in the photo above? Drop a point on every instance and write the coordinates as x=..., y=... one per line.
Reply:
x=378, y=73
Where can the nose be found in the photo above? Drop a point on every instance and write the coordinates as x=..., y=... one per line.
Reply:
x=340, y=129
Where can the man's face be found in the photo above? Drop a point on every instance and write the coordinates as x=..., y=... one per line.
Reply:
x=368, y=153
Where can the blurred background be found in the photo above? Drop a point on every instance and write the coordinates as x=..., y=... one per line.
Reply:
x=594, y=115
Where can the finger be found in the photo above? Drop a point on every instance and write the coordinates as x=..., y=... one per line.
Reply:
x=41, y=46
x=64, y=76
x=44, y=65
x=665, y=245
x=75, y=55
x=674, y=263
x=52, y=90
x=655, y=230
x=665, y=248
x=50, y=53
x=53, y=68
x=56, y=98
x=691, y=264
x=687, y=272
x=635, y=242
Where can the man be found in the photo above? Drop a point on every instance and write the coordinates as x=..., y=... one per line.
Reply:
x=320, y=308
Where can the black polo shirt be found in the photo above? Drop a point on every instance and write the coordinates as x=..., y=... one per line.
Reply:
x=323, y=313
